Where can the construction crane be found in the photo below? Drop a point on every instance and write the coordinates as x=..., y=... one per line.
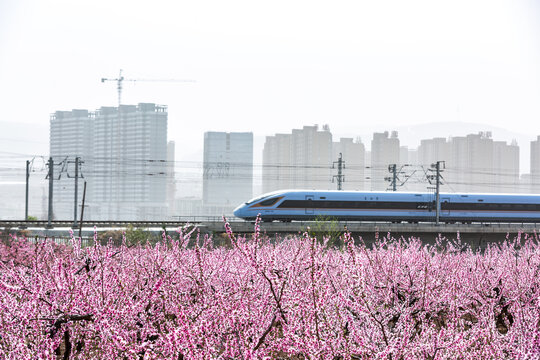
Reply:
x=120, y=79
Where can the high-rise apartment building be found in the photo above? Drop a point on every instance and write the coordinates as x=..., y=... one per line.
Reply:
x=433, y=150
x=385, y=150
x=474, y=163
x=311, y=151
x=71, y=136
x=428, y=153
x=300, y=160
x=277, y=159
x=227, y=171
x=506, y=167
x=535, y=166
x=353, y=154
x=130, y=154
x=124, y=152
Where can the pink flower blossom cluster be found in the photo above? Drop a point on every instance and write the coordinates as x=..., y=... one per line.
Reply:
x=292, y=298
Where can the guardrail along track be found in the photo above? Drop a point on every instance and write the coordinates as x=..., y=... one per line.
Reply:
x=215, y=225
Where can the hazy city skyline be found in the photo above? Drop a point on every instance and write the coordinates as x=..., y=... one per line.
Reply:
x=267, y=68
x=480, y=164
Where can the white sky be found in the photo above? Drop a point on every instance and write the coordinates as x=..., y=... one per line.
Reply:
x=271, y=66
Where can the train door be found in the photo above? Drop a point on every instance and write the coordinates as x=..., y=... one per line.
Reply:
x=309, y=205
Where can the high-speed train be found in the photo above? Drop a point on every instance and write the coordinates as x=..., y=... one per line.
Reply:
x=288, y=205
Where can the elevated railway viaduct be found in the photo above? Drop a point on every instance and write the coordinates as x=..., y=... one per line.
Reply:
x=475, y=234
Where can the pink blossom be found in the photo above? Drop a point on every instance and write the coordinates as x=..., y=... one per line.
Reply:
x=291, y=298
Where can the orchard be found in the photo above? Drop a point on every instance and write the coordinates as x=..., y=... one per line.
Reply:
x=265, y=298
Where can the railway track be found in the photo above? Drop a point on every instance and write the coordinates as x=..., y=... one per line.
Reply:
x=99, y=223
x=217, y=225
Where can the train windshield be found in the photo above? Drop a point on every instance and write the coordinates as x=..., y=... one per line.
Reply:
x=256, y=199
x=259, y=198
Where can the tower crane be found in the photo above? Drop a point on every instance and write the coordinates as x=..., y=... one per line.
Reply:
x=120, y=79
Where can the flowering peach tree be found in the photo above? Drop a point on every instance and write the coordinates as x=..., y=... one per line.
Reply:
x=262, y=298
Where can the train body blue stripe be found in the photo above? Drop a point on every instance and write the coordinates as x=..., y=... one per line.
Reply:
x=520, y=201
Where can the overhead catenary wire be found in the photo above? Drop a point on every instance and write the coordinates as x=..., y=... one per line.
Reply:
x=195, y=163
x=321, y=178
x=132, y=167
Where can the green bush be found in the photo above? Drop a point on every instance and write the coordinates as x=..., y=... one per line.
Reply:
x=327, y=227
x=134, y=236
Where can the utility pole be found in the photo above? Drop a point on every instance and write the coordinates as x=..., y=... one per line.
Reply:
x=82, y=210
x=392, y=169
x=393, y=180
x=50, y=176
x=340, y=177
x=65, y=169
x=26, y=198
x=76, y=191
x=437, y=191
x=437, y=177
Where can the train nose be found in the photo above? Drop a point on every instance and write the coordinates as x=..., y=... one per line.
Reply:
x=239, y=211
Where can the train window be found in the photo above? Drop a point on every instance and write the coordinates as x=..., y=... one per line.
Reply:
x=480, y=200
x=322, y=197
x=293, y=204
x=268, y=202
